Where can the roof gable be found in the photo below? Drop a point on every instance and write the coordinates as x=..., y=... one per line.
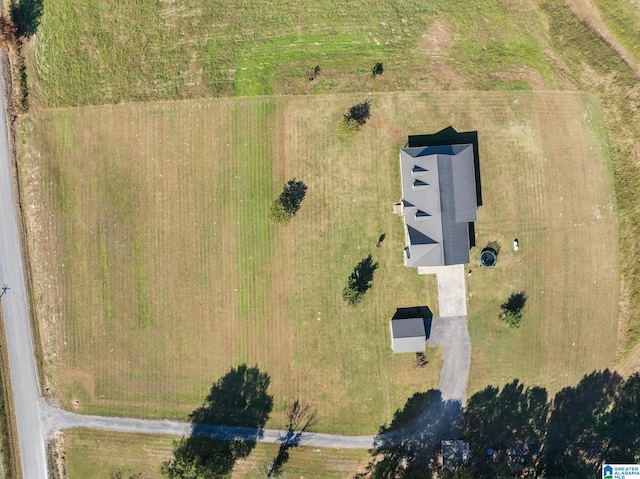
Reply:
x=418, y=237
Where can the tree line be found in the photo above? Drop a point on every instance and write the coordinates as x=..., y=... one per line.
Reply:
x=518, y=431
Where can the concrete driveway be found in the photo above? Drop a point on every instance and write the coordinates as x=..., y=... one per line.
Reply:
x=452, y=289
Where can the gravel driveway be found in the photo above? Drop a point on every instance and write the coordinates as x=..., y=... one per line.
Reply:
x=440, y=420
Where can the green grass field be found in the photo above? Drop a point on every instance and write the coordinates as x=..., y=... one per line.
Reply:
x=554, y=193
x=622, y=18
x=157, y=266
x=155, y=269
x=84, y=53
x=99, y=454
x=168, y=272
x=590, y=63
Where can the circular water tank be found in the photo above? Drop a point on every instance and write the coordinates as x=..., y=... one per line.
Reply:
x=488, y=258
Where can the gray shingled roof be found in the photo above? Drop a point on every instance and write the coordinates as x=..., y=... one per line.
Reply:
x=439, y=201
x=408, y=335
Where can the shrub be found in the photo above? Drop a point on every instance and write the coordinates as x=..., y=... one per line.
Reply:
x=285, y=206
x=354, y=119
x=377, y=70
x=347, y=128
x=511, y=309
x=359, y=281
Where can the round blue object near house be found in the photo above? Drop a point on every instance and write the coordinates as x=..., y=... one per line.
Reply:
x=488, y=258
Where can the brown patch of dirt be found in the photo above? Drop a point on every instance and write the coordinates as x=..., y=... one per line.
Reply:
x=438, y=76
x=41, y=240
x=56, y=448
x=623, y=320
x=343, y=464
x=631, y=364
x=437, y=40
x=527, y=74
x=436, y=73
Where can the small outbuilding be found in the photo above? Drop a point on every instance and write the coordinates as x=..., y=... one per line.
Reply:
x=455, y=453
x=408, y=335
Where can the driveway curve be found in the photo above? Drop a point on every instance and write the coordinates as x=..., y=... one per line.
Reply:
x=36, y=420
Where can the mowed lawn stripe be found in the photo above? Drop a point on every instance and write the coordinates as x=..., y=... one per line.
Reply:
x=194, y=181
x=122, y=51
x=100, y=454
x=555, y=208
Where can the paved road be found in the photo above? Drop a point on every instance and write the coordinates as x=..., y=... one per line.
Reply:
x=34, y=419
x=24, y=380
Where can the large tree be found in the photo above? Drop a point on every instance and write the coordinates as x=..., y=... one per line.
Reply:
x=239, y=398
x=585, y=425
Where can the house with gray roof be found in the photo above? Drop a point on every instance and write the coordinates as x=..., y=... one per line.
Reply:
x=440, y=196
x=408, y=335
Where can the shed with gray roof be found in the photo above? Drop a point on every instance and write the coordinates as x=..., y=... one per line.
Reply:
x=408, y=335
x=439, y=203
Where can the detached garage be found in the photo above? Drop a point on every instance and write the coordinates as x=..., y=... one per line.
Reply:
x=408, y=335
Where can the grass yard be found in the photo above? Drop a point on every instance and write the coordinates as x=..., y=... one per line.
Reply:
x=157, y=269
x=622, y=18
x=99, y=454
x=87, y=53
x=554, y=192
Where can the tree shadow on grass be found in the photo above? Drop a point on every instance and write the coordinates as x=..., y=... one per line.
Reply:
x=515, y=303
x=406, y=447
x=300, y=417
x=240, y=402
x=359, y=281
x=624, y=421
x=511, y=420
x=26, y=16
x=579, y=429
x=596, y=421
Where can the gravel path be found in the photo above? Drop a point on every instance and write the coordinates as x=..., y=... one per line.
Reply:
x=56, y=419
x=35, y=419
x=440, y=420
